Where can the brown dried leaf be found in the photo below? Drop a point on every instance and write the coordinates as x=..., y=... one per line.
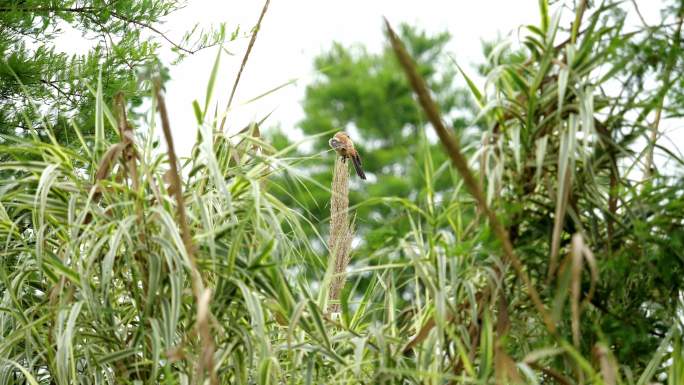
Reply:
x=506, y=372
x=108, y=159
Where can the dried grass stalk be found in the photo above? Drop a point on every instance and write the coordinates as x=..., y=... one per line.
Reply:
x=341, y=232
x=202, y=295
x=256, y=29
x=459, y=161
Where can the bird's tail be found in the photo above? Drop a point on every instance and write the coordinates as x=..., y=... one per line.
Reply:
x=357, y=166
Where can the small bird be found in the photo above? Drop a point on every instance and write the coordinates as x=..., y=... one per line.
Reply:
x=344, y=147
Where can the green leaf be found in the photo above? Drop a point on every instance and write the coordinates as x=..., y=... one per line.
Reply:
x=479, y=98
x=199, y=115
x=657, y=359
x=100, y=144
x=544, y=10
x=212, y=81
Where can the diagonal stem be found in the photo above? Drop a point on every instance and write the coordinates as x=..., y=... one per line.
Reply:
x=460, y=163
x=244, y=62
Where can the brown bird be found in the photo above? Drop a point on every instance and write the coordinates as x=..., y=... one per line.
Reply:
x=344, y=147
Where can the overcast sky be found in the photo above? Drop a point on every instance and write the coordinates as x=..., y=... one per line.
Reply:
x=295, y=31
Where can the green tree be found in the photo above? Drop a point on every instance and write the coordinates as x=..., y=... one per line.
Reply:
x=38, y=81
x=365, y=94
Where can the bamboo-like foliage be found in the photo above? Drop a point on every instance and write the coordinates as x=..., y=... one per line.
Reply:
x=96, y=267
x=550, y=153
x=116, y=269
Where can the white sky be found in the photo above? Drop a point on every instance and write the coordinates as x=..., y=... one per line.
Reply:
x=295, y=31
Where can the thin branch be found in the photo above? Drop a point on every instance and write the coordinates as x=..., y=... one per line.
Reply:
x=155, y=30
x=59, y=90
x=667, y=84
x=48, y=9
x=641, y=17
x=244, y=62
x=95, y=10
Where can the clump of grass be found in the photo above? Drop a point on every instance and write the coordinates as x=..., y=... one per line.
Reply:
x=341, y=231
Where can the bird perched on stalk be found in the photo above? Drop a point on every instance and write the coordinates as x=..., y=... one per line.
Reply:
x=344, y=147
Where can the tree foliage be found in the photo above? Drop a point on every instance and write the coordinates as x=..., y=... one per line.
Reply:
x=38, y=74
x=365, y=94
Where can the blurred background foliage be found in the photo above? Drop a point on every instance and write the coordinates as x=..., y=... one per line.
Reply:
x=365, y=94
